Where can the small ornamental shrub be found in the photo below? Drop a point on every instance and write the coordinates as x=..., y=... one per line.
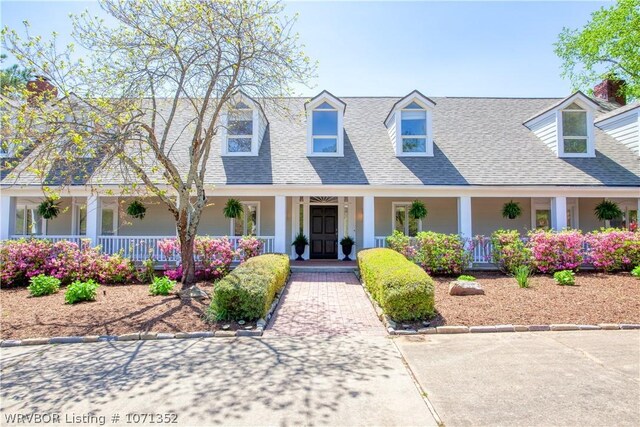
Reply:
x=41, y=285
x=249, y=247
x=81, y=291
x=403, y=290
x=565, y=277
x=439, y=253
x=248, y=291
x=509, y=251
x=636, y=272
x=161, y=286
x=174, y=273
x=554, y=251
x=147, y=271
x=466, y=278
x=522, y=273
x=613, y=250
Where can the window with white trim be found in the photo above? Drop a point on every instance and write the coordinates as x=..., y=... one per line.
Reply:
x=628, y=220
x=575, y=135
x=324, y=129
x=413, y=125
x=80, y=213
x=240, y=129
x=249, y=222
x=404, y=222
x=28, y=221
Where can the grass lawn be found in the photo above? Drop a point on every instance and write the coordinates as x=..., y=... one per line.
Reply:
x=596, y=298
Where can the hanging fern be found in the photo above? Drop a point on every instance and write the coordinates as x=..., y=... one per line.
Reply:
x=233, y=209
x=607, y=210
x=418, y=210
x=48, y=209
x=136, y=209
x=511, y=210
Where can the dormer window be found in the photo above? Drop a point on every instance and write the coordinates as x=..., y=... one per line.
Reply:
x=409, y=125
x=240, y=129
x=574, y=130
x=244, y=125
x=324, y=125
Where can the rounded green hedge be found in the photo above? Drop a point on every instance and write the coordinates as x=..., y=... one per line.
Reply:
x=403, y=289
x=248, y=291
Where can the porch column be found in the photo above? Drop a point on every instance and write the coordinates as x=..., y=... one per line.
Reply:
x=558, y=213
x=8, y=218
x=368, y=222
x=279, y=244
x=94, y=207
x=464, y=217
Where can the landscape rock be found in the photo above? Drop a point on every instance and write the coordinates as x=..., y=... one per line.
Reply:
x=193, y=292
x=463, y=288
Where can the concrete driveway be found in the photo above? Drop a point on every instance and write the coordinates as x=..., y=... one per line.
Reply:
x=337, y=381
x=589, y=378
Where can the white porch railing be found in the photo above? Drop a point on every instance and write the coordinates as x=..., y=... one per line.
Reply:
x=140, y=248
x=53, y=238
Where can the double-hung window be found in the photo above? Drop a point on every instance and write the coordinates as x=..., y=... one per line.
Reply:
x=28, y=221
x=414, y=129
x=575, y=135
x=248, y=223
x=325, y=129
x=404, y=222
x=240, y=129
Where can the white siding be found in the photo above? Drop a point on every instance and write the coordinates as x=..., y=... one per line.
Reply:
x=625, y=129
x=547, y=131
x=392, y=132
x=262, y=126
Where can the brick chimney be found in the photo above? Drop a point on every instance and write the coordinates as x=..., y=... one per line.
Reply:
x=609, y=90
x=40, y=87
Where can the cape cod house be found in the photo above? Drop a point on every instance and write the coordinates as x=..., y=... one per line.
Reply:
x=352, y=166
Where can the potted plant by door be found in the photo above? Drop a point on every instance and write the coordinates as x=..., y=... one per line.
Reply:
x=347, y=245
x=300, y=242
x=511, y=210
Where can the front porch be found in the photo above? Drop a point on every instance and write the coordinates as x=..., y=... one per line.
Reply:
x=325, y=220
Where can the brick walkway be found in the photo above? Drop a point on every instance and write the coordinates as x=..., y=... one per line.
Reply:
x=324, y=304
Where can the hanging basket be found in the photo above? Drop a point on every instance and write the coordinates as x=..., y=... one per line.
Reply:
x=607, y=210
x=418, y=210
x=511, y=210
x=136, y=209
x=49, y=209
x=233, y=209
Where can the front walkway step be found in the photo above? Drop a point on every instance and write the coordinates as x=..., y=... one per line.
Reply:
x=324, y=304
x=313, y=266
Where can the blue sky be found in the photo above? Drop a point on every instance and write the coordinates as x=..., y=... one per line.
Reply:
x=390, y=48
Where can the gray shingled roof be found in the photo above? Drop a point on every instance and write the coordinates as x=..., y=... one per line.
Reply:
x=477, y=141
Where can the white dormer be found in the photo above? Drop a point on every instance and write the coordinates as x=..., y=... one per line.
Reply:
x=623, y=124
x=325, y=133
x=567, y=128
x=409, y=125
x=243, y=126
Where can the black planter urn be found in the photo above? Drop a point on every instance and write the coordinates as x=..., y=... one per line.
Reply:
x=300, y=251
x=346, y=250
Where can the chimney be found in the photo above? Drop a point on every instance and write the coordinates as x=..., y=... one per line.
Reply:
x=41, y=88
x=609, y=90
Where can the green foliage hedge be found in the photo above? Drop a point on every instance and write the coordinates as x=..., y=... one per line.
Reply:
x=402, y=288
x=248, y=291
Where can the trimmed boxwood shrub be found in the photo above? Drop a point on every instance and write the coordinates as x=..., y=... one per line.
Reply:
x=403, y=289
x=248, y=291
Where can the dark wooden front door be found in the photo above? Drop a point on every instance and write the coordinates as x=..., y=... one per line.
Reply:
x=324, y=232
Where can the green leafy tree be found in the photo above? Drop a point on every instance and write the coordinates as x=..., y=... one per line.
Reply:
x=609, y=44
x=13, y=77
x=161, y=72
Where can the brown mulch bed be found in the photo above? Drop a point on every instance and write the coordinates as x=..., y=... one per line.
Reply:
x=596, y=298
x=118, y=309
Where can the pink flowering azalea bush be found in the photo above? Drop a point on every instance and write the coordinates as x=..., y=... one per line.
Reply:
x=442, y=253
x=213, y=257
x=509, y=251
x=64, y=260
x=555, y=251
x=613, y=249
x=249, y=247
x=400, y=242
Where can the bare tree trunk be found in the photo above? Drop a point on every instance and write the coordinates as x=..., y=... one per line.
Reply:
x=188, y=261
